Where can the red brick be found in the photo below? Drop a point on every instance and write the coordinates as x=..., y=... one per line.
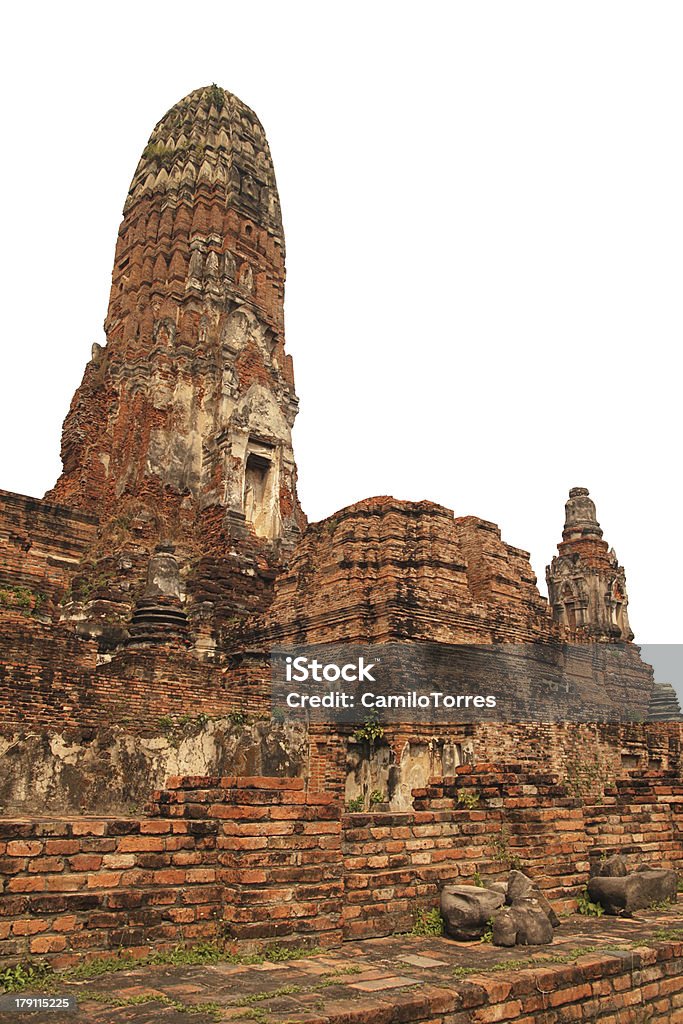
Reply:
x=143, y=844
x=195, y=875
x=31, y=927
x=89, y=828
x=31, y=884
x=267, y=782
x=48, y=944
x=67, y=923
x=19, y=848
x=86, y=862
x=45, y=865
x=104, y=880
x=156, y=827
x=169, y=876
x=118, y=860
x=62, y=847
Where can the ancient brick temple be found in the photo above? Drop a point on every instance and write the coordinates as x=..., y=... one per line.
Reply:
x=139, y=601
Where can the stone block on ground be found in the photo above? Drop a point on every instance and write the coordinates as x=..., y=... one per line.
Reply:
x=612, y=867
x=520, y=886
x=624, y=895
x=466, y=910
x=533, y=925
x=504, y=927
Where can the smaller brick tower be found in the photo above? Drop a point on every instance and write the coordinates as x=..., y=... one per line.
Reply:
x=586, y=584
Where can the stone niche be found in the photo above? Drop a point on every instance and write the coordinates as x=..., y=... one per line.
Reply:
x=375, y=769
x=260, y=488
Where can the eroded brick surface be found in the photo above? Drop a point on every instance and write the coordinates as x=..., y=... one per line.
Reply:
x=604, y=970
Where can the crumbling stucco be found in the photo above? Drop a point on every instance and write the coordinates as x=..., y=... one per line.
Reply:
x=111, y=771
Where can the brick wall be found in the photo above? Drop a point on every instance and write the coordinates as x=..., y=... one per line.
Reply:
x=41, y=543
x=586, y=756
x=384, y=569
x=278, y=853
x=634, y=987
x=263, y=858
x=640, y=817
x=397, y=863
x=94, y=886
x=49, y=679
x=247, y=858
x=527, y=817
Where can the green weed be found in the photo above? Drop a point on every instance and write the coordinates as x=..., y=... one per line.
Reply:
x=586, y=906
x=428, y=922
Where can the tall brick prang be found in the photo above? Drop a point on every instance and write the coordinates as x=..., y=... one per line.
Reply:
x=191, y=403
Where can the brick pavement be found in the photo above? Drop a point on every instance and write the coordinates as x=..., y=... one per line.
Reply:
x=612, y=970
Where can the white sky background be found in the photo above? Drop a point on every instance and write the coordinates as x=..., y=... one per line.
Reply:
x=483, y=208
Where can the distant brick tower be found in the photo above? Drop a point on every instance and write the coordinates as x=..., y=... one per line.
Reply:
x=586, y=584
x=182, y=423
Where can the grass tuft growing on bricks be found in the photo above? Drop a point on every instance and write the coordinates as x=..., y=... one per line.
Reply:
x=22, y=976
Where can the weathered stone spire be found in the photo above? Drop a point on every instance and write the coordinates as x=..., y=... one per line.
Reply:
x=586, y=584
x=191, y=403
x=664, y=704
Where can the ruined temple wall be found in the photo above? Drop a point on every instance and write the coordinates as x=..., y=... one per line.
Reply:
x=614, y=987
x=278, y=853
x=389, y=570
x=112, y=771
x=262, y=858
x=486, y=819
x=191, y=403
x=64, y=716
x=639, y=817
x=586, y=757
x=217, y=858
x=472, y=827
x=497, y=572
x=78, y=735
x=50, y=678
x=92, y=886
x=61, y=702
x=40, y=546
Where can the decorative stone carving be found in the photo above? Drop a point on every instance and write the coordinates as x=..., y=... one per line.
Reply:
x=247, y=277
x=586, y=584
x=229, y=266
x=164, y=332
x=236, y=332
x=212, y=265
x=196, y=269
